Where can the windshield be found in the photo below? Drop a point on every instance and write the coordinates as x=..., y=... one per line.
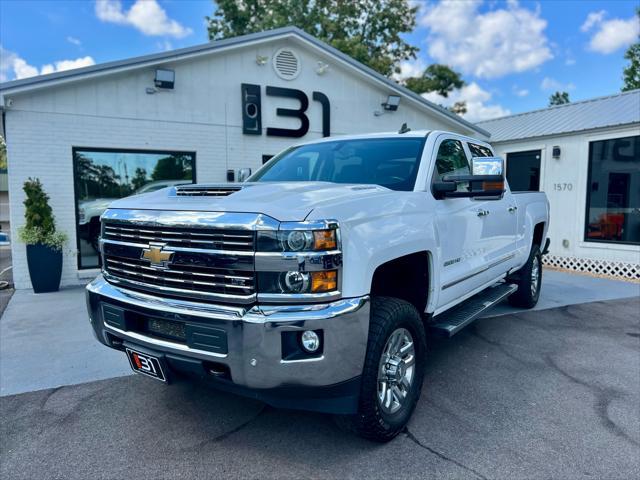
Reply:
x=389, y=162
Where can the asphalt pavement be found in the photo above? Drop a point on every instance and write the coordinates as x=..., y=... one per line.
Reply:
x=539, y=394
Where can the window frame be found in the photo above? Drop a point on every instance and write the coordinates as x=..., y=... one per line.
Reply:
x=75, y=149
x=585, y=230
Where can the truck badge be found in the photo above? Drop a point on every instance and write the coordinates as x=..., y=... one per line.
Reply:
x=156, y=256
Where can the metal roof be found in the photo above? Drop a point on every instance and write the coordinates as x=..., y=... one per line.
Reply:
x=613, y=110
x=42, y=81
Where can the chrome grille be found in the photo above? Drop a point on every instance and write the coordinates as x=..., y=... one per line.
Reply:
x=215, y=239
x=182, y=278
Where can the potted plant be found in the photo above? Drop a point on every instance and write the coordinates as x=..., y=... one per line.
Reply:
x=44, y=243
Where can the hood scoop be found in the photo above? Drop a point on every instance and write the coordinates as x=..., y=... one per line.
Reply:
x=207, y=190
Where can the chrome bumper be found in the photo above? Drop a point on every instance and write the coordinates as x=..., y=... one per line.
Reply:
x=254, y=355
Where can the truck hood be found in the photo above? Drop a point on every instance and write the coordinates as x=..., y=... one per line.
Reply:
x=284, y=201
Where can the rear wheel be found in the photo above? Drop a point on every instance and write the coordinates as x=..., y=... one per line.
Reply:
x=529, y=281
x=393, y=370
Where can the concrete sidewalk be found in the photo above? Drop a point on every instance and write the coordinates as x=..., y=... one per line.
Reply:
x=46, y=340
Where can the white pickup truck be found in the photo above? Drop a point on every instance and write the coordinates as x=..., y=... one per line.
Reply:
x=315, y=284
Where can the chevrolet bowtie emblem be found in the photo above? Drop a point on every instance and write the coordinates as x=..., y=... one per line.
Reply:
x=156, y=256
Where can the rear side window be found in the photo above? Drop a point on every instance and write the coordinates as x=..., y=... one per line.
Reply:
x=479, y=150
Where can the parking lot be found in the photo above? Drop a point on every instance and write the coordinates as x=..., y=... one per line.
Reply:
x=541, y=394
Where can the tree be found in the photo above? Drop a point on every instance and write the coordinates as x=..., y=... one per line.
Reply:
x=366, y=30
x=631, y=74
x=174, y=167
x=559, y=98
x=139, y=178
x=3, y=154
x=440, y=79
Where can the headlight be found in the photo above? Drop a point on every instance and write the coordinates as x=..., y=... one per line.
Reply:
x=299, y=240
x=299, y=258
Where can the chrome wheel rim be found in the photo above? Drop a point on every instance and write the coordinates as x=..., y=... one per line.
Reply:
x=535, y=276
x=396, y=371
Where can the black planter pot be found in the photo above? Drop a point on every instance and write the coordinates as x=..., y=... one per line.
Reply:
x=45, y=268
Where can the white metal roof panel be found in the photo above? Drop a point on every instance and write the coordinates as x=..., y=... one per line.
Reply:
x=613, y=110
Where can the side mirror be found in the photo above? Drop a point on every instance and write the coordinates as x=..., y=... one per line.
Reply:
x=243, y=174
x=487, y=180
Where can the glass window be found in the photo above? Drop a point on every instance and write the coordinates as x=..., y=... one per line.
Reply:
x=613, y=193
x=101, y=176
x=523, y=171
x=390, y=162
x=479, y=150
x=452, y=160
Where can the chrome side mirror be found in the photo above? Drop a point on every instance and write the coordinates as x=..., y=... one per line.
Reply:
x=243, y=174
x=481, y=166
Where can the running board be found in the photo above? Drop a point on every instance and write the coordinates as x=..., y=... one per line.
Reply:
x=448, y=323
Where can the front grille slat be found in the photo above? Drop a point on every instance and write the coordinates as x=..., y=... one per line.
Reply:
x=195, y=273
x=184, y=237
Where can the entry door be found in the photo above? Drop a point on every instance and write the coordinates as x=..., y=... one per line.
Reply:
x=523, y=171
x=460, y=228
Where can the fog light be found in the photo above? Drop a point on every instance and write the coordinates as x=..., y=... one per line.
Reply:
x=310, y=341
x=295, y=282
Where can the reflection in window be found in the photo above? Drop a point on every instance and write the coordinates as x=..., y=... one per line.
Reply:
x=613, y=203
x=102, y=176
x=452, y=160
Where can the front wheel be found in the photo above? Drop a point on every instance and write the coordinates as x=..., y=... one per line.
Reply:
x=393, y=370
x=529, y=281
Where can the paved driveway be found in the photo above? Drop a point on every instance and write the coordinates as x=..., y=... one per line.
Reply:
x=541, y=394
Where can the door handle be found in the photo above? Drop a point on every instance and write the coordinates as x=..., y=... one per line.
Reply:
x=483, y=213
x=512, y=208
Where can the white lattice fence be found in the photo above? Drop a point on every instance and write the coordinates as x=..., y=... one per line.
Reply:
x=624, y=270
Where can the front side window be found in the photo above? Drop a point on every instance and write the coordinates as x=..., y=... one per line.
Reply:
x=613, y=193
x=389, y=162
x=451, y=160
x=102, y=176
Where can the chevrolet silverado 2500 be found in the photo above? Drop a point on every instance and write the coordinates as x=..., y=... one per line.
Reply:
x=315, y=284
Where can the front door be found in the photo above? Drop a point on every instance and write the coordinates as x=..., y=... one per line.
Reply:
x=523, y=171
x=460, y=226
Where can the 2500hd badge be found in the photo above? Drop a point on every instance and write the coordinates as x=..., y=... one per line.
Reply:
x=317, y=283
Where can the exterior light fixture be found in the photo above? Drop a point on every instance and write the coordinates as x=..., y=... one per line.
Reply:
x=261, y=59
x=322, y=68
x=555, y=152
x=392, y=103
x=165, y=79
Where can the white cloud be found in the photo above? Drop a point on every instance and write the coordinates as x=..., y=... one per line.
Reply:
x=410, y=68
x=611, y=35
x=164, y=45
x=592, y=19
x=520, y=92
x=476, y=99
x=74, y=41
x=487, y=45
x=62, y=65
x=549, y=83
x=147, y=16
x=13, y=66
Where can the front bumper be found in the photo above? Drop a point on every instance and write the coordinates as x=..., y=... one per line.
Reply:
x=254, y=353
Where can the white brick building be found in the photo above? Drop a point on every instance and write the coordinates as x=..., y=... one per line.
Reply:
x=65, y=126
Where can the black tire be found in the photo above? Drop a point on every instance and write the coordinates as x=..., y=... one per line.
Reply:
x=371, y=422
x=526, y=296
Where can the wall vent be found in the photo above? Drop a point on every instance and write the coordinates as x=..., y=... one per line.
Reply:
x=286, y=64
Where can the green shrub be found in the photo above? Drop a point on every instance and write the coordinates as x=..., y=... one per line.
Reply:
x=40, y=225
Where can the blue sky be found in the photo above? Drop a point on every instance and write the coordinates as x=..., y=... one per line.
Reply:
x=513, y=55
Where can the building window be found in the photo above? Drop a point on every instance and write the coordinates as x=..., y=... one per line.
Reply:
x=104, y=175
x=523, y=171
x=613, y=193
